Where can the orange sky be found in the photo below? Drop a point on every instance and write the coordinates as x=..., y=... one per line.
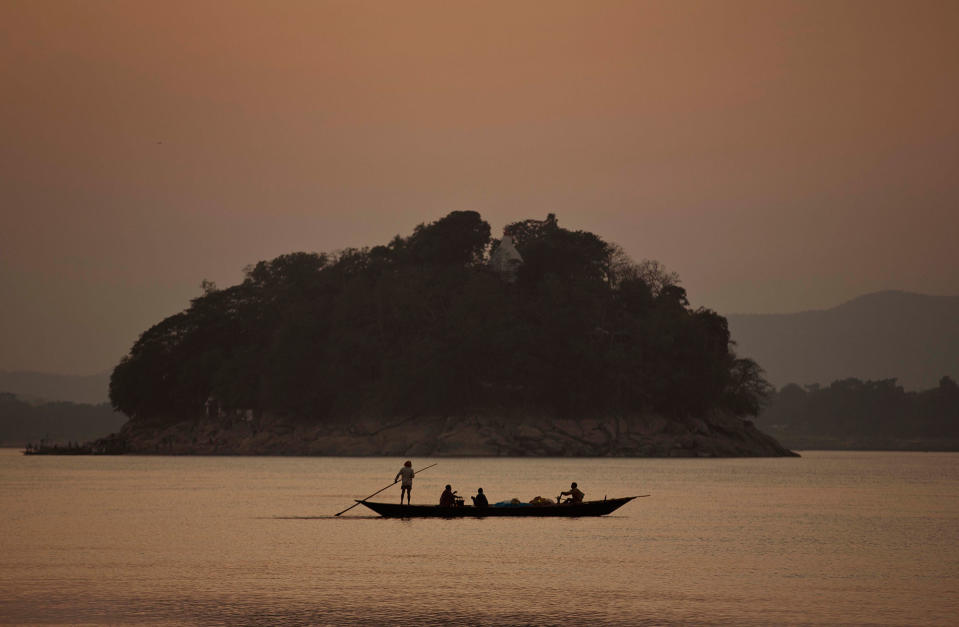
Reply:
x=778, y=155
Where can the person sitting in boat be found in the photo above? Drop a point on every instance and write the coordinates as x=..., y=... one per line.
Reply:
x=448, y=498
x=480, y=499
x=575, y=494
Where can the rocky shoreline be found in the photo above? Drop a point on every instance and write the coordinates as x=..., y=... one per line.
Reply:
x=716, y=435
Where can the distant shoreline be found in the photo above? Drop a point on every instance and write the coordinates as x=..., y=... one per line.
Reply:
x=344, y=446
x=866, y=444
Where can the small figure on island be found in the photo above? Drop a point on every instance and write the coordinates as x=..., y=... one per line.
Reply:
x=448, y=498
x=575, y=494
x=480, y=499
x=406, y=472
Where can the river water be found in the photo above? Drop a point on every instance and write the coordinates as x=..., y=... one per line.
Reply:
x=828, y=538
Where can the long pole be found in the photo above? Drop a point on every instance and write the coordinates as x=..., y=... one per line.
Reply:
x=415, y=472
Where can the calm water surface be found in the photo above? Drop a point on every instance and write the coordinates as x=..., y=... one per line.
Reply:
x=829, y=538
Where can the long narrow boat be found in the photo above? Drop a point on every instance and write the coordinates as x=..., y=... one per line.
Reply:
x=586, y=508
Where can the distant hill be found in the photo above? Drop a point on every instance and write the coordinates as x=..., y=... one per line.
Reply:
x=912, y=337
x=41, y=386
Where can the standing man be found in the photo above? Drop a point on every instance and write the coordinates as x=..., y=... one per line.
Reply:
x=406, y=472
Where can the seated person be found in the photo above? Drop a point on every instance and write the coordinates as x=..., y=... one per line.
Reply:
x=480, y=499
x=448, y=498
x=575, y=494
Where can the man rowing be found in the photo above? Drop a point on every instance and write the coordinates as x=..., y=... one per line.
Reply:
x=575, y=494
x=448, y=498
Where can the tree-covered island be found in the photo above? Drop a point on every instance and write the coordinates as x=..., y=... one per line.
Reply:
x=445, y=342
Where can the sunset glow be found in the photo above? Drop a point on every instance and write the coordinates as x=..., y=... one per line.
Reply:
x=778, y=156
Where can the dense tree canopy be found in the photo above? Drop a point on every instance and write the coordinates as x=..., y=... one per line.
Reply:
x=422, y=324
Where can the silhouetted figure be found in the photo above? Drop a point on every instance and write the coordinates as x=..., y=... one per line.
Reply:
x=480, y=499
x=406, y=472
x=575, y=494
x=448, y=498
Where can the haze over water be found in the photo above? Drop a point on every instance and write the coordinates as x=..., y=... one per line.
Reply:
x=779, y=156
x=829, y=538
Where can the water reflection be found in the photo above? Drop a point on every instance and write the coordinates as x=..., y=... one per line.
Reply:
x=827, y=538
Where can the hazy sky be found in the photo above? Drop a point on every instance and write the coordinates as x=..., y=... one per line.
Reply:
x=779, y=156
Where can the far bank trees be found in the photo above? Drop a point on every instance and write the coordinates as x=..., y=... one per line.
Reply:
x=851, y=410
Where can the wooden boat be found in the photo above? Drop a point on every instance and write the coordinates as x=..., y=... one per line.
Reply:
x=586, y=508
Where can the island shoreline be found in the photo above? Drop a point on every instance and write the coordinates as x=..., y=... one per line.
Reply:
x=480, y=435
